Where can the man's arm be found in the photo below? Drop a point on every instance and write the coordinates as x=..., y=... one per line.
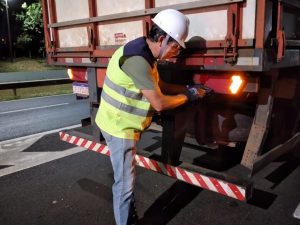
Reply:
x=161, y=102
x=171, y=89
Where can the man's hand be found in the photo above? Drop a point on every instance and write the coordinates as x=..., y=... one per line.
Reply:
x=203, y=89
x=192, y=94
x=197, y=91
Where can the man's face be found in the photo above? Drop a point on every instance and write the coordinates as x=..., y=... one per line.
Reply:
x=172, y=50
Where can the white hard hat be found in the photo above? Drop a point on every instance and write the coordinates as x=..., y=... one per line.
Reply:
x=174, y=23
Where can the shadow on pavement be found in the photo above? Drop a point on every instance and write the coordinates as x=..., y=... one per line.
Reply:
x=155, y=145
x=99, y=190
x=49, y=143
x=4, y=166
x=281, y=173
x=262, y=199
x=169, y=204
x=220, y=159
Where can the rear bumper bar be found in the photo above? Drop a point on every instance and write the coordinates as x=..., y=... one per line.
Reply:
x=240, y=189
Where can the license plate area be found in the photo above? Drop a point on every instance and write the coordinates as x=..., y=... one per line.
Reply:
x=81, y=89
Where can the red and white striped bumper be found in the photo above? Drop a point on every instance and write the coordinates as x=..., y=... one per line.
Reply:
x=197, y=179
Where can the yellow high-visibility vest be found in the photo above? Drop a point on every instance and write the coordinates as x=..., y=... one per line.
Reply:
x=123, y=112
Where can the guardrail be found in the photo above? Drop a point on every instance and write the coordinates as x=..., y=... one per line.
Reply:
x=33, y=79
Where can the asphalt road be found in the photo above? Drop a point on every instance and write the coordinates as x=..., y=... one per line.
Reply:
x=43, y=183
x=30, y=116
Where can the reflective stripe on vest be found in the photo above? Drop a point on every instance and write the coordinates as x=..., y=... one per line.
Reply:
x=123, y=91
x=122, y=99
x=124, y=107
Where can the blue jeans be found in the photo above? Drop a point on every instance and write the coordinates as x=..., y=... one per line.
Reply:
x=122, y=153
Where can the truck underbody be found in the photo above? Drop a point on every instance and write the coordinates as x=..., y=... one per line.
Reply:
x=224, y=139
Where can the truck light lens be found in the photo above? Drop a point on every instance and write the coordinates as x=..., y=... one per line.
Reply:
x=228, y=83
x=77, y=74
x=70, y=73
x=236, y=83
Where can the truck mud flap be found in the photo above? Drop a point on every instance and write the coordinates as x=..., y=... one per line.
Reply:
x=233, y=187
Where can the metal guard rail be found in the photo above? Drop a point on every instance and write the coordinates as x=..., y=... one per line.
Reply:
x=33, y=79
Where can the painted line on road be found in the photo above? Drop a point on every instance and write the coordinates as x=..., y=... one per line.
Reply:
x=41, y=107
x=40, y=134
x=24, y=160
x=297, y=212
x=29, y=160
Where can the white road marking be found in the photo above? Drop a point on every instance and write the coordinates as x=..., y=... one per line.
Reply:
x=297, y=212
x=25, y=160
x=41, y=107
x=12, y=152
x=38, y=134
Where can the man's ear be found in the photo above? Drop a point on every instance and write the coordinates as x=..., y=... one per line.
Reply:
x=160, y=40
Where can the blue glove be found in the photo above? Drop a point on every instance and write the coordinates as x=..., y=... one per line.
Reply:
x=202, y=89
x=192, y=94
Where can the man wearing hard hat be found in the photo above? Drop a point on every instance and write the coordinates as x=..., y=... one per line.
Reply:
x=131, y=92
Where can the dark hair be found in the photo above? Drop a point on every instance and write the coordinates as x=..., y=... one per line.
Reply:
x=155, y=32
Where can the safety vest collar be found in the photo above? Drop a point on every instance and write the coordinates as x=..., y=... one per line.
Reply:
x=139, y=47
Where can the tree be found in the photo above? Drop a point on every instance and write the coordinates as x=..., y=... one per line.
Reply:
x=32, y=26
x=2, y=5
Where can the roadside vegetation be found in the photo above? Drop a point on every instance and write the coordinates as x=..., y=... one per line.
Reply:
x=21, y=93
x=26, y=65
x=28, y=51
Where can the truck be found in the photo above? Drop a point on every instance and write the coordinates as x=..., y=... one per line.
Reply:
x=247, y=51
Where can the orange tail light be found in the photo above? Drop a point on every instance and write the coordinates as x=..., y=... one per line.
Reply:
x=236, y=84
x=70, y=74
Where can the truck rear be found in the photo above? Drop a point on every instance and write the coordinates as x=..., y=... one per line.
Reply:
x=247, y=51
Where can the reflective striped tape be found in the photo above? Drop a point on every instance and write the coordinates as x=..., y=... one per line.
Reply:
x=77, y=60
x=196, y=179
x=90, y=145
x=203, y=181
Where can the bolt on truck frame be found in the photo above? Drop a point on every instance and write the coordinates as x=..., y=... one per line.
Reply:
x=248, y=51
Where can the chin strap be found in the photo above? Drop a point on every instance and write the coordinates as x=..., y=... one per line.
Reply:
x=163, y=46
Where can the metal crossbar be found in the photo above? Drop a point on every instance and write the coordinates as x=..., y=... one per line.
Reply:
x=32, y=79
